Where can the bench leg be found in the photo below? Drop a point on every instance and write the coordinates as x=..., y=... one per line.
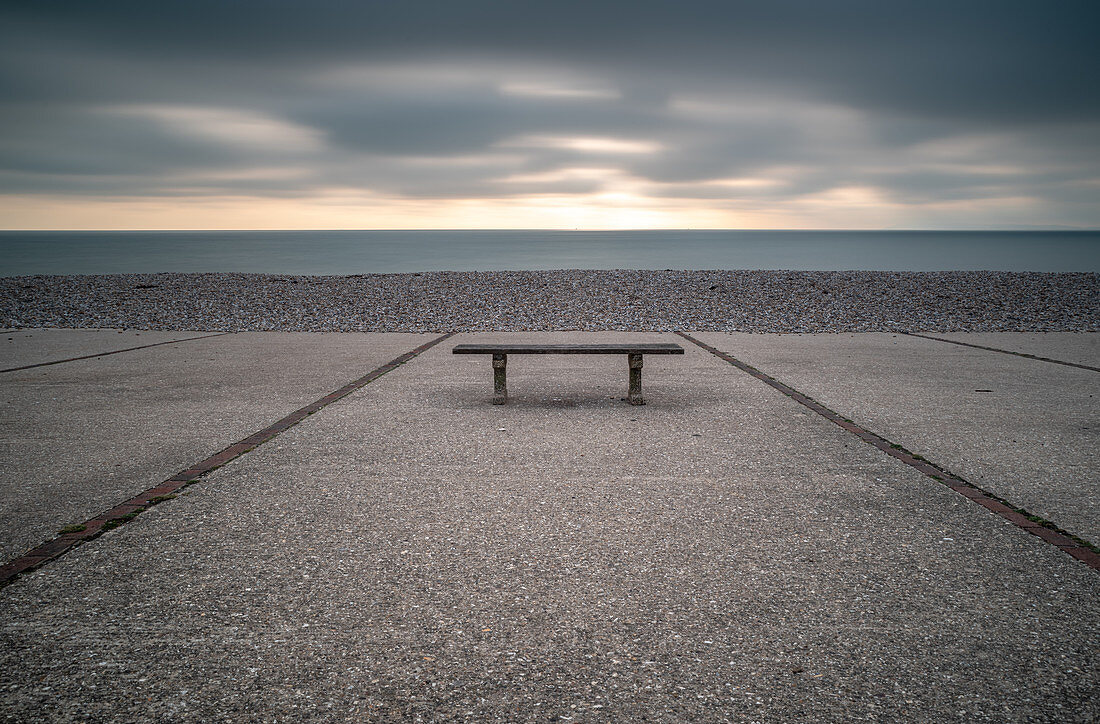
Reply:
x=500, y=381
x=635, y=361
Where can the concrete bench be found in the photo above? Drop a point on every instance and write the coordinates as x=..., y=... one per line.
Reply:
x=633, y=352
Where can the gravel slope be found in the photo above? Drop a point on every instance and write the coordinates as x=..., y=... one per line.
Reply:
x=746, y=301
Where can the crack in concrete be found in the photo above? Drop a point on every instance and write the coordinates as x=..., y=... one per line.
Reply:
x=117, y=351
x=1004, y=351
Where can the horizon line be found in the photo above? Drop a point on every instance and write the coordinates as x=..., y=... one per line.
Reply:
x=1016, y=229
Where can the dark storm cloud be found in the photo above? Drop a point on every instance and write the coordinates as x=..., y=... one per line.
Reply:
x=367, y=94
x=976, y=58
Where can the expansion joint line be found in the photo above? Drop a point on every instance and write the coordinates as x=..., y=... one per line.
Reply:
x=127, y=511
x=1003, y=351
x=116, y=351
x=1080, y=549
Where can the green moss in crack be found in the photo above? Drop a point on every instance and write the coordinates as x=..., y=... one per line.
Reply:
x=116, y=522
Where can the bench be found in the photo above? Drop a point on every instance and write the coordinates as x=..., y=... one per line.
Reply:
x=633, y=352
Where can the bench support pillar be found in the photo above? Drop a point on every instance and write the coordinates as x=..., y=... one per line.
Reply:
x=500, y=378
x=635, y=392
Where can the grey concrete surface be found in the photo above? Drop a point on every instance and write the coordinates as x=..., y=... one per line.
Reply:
x=1033, y=439
x=414, y=553
x=80, y=437
x=1081, y=348
x=35, y=346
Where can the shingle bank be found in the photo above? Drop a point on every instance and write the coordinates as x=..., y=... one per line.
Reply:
x=747, y=301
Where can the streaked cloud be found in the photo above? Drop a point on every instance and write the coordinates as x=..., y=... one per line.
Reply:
x=788, y=113
x=583, y=144
x=551, y=90
x=227, y=127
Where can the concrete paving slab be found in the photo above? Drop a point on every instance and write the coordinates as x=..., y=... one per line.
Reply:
x=414, y=553
x=1024, y=430
x=80, y=437
x=36, y=346
x=1081, y=348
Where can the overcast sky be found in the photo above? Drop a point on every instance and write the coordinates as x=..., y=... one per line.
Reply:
x=449, y=114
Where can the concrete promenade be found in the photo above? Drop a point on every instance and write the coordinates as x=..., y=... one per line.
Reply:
x=411, y=552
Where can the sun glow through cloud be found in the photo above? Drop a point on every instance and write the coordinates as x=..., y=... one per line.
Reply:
x=349, y=209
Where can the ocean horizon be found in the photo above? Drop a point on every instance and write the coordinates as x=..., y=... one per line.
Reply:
x=330, y=252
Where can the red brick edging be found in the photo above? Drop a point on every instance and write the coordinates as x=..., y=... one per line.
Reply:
x=117, y=351
x=127, y=511
x=1075, y=547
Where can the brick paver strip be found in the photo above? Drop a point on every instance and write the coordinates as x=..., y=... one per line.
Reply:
x=1003, y=351
x=117, y=351
x=127, y=510
x=1070, y=544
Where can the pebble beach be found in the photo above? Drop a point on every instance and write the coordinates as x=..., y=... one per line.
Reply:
x=563, y=300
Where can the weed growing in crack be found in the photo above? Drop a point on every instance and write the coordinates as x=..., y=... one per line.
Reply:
x=116, y=522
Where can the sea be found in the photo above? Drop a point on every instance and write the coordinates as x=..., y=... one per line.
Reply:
x=369, y=252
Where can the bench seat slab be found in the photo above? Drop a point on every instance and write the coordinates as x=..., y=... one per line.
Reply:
x=652, y=348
